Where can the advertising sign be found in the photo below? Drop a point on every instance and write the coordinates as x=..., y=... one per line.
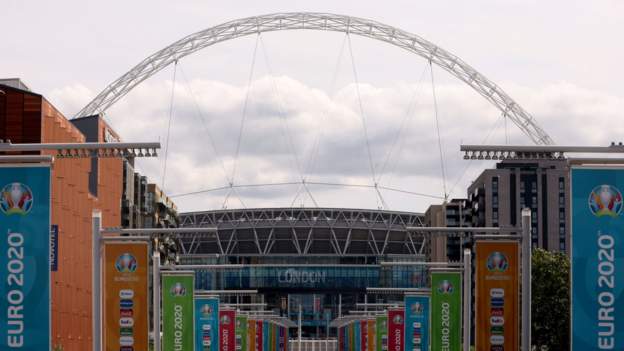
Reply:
x=597, y=252
x=417, y=322
x=227, y=332
x=280, y=342
x=25, y=257
x=272, y=337
x=178, y=310
x=396, y=329
x=496, y=295
x=206, y=323
x=54, y=248
x=446, y=328
x=126, y=295
x=381, y=342
x=370, y=335
x=341, y=340
x=241, y=333
x=259, y=336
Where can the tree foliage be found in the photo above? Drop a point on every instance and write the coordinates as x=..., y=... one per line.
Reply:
x=550, y=300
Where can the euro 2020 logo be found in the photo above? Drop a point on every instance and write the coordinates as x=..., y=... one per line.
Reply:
x=605, y=200
x=126, y=263
x=178, y=290
x=417, y=308
x=225, y=319
x=445, y=287
x=397, y=319
x=497, y=262
x=206, y=310
x=16, y=198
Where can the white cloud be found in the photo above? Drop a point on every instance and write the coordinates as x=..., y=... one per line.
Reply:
x=282, y=111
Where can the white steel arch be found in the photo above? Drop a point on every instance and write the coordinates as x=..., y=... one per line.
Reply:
x=324, y=22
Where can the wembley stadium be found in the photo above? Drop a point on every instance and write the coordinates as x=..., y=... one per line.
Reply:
x=322, y=259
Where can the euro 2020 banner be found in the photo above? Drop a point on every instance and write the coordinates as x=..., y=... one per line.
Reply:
x=126, y=294
x=227, y=330
x=25, y=258
x=396, y=329
x=417, y=322
x=381, y=342
x=206, y=323
x=446, y=316
x=177, y=311
x=597, y=259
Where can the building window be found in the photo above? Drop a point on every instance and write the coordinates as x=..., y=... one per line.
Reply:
x=561, y=184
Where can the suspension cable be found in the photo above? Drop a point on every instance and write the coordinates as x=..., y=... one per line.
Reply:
x=285, y=128
x=495, y=127
x=202, y=118
x=244, y=116
x=278, y=184
x=171, y=100
x=437, y=125
x=363, y=118
x=399, y=137
x=310, y=164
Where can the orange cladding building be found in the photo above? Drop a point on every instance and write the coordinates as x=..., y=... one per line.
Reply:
x=79, y=186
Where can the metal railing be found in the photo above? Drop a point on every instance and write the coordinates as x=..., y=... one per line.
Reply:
x=313, y=344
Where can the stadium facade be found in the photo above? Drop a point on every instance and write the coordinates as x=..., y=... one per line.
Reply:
x=322, y=259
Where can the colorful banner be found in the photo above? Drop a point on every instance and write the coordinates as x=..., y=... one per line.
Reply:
x=351, y=338
x=381, y=341
x=126, y=309
x=206, y=323
x=597, y=252
x=496, y=295
x=370, y=334
x=251, y=334
x=259, y=336
x=364, y=335
x=357, y=336
x=272, y=337
x=241, y=333
x=178, y=310
x=266, y=336
x=280, y=341
x=417, y=322
x=25, y=257
x=227, y=332
x=446, y=318
x=396, y=329
x=341, y=341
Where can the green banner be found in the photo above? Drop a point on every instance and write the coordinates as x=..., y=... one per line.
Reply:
x=177, y=311
x=382, y=333
x=241, y=333
x=446, y=316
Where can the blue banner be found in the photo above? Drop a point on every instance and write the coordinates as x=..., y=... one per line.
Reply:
x=25, y=258
x=265, y=336
x=206, y=323
x=597, y=252
x=417, y=322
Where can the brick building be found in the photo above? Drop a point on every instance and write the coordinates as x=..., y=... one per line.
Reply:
x=79, y=186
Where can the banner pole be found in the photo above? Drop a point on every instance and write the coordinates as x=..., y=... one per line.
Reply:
x=156, y=297
x=95, y=280
x=526, y=279
x=467, y=297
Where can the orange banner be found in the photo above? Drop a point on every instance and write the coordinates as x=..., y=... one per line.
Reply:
x=371, y=334
x=125, y=296
x=251, y=334
x=496, y=295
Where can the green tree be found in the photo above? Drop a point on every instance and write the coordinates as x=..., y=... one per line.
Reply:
x=551, y=300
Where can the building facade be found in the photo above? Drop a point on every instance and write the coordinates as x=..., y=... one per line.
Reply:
x=27, y=117
x=497, y=197
x=322, y=259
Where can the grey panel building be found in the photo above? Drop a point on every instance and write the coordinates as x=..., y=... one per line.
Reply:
x=497, y=196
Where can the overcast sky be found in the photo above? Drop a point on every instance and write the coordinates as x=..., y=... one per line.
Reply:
x=560, y=60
